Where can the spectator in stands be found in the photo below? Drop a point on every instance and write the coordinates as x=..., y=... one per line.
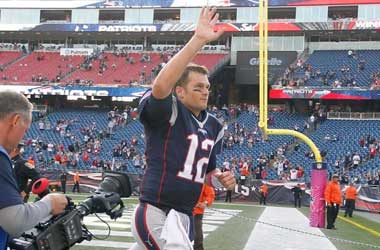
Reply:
x=94, y=163
x=86, y=157
x=361, y=65
x=372, y=151
x=134, y=140
x=264, y=173
x=356, y=160
x=57, y=158
x=137, y=161
x=293, y=174
x=362, y=142
x=300, y=172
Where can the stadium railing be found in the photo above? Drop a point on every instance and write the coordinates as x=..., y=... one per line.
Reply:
x=353, y=116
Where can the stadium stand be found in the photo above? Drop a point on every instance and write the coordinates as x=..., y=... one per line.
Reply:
x=40, y=67
x=74, y=131
x=100, y=68
x=84, y=128
x=9, y=56
x=340, y=68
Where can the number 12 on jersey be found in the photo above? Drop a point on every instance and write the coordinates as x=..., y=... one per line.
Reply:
x=186, y=173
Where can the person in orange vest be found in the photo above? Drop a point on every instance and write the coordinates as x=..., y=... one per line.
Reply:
x=206, y=198
x=333, y=197
x=244, y=174
x=76, y=182
x=350, y=196
x=264, y=193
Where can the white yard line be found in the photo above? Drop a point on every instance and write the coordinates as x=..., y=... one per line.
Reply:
x=265, y=237
x=107, y=244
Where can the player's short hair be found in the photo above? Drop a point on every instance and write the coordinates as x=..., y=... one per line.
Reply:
x=192, y=67
x=12, y=102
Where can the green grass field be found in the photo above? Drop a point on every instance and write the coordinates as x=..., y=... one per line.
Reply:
x=233, y=232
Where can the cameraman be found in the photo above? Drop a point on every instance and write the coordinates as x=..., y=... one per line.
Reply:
x=23, y=171
x=15, y=215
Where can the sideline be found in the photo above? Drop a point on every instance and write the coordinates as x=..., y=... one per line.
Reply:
x=265, y=237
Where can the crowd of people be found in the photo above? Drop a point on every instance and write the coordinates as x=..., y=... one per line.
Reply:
x=301, y=73
x=85, y=148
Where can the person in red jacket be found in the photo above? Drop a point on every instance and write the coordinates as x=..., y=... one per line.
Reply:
x=333, y=197
x=350, y=196
x=206, y=198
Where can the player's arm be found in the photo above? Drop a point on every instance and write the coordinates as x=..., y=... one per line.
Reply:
x=154, y=111
x=204, y=33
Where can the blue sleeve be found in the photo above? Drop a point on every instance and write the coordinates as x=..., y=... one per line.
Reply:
x=217, y=149
x=9, y=194
x=212, y=160
x=154, y=111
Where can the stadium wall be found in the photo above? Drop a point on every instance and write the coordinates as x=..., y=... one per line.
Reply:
x=369, y=12
x=30, y=14
x=85, y=16
x=20, y=16
x=275, y=43
x=312, y=14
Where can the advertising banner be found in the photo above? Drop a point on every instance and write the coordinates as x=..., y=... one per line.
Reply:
x=325, y=94
x=247, y=65
x=75, y=52
x=183, y=27
x=133, y=92
x=279, y=192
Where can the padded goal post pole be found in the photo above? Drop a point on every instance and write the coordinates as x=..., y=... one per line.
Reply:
x=319, y=171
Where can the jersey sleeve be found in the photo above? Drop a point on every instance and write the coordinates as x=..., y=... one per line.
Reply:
x=217, y=149
x=154, y=111
x=10, y=194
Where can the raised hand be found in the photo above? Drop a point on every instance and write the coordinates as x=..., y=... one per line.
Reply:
x=206, y=24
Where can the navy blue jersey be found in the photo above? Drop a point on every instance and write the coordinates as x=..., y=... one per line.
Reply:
x=180, y=150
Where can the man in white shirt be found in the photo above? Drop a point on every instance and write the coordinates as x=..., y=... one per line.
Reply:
x=293, y=174
x=356, y=160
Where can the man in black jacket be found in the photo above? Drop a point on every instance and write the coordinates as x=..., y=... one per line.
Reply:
x=24, y=172
x=63, y=182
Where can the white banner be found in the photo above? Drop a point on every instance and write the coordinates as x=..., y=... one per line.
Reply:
x=76, y=52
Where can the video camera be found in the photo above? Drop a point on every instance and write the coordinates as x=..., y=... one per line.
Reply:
x=65, y=230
